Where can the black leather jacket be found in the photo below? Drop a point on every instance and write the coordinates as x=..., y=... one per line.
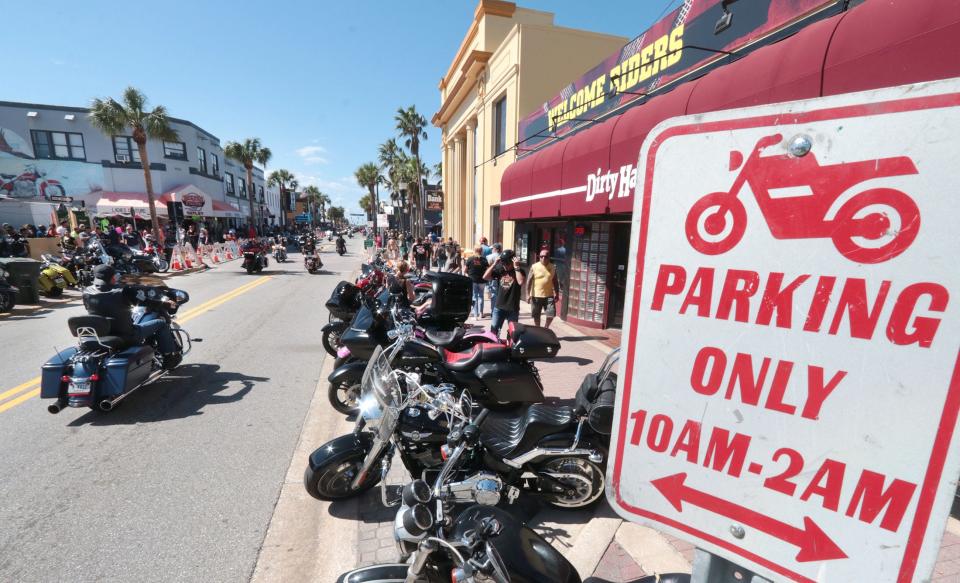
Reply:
x=117, y=303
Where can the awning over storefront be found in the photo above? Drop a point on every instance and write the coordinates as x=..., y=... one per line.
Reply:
x=226, y=210
x=111, y=204
x=873, y=45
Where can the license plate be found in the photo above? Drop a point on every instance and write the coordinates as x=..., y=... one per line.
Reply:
x=79, y=388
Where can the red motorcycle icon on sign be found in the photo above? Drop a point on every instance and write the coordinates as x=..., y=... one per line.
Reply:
x=860, y=227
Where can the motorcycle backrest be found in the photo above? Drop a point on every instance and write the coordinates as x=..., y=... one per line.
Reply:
x=81, y=326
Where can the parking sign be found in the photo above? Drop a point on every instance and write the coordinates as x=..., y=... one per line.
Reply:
x=790, y=392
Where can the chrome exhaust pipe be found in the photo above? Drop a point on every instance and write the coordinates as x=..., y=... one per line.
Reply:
x=55, y=408
x=105, y=405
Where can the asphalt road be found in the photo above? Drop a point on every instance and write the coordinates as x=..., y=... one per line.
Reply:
x=180, y=481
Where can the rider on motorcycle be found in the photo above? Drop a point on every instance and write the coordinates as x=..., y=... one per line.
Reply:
x=341, y=244
x=106, y=298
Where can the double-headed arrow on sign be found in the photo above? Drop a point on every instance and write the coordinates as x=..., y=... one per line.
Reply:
x=814, y=544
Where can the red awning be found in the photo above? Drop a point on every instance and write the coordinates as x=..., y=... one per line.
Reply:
x=885, y=44
x=876, y=44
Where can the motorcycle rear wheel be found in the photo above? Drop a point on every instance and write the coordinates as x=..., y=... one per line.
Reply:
x=163, y=265
x=55, y=292
x=582, y=479
x=333, y=482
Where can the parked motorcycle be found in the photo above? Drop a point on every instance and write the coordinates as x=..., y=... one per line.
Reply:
x=104, y=368
x=8, y=293
x=54, y=277
x=555, y=452
x=497, y=374
x=440, y=540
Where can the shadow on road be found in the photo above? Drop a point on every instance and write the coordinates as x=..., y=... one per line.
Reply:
x=184, y=393
x=44, y=308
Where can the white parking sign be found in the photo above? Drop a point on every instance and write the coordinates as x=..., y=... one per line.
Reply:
x=790, y=392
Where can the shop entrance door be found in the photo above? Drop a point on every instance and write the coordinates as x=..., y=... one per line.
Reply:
x=619, y=261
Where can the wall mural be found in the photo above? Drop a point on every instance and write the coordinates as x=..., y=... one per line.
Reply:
x=24, y=177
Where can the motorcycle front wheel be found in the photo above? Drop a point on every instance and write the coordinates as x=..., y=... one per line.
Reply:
x=334, y=481
x=331, y=341
x=345, y=396
x=7, y=301
x=162, y=265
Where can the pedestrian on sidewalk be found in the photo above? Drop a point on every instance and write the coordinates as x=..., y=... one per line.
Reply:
x=440, y=256
x=542, y=288
x=493, y=285
x=507, y=270
x=475, y=268
x=421, y=255
x=454, y=259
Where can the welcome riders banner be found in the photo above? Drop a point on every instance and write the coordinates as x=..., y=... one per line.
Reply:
x=695, y=35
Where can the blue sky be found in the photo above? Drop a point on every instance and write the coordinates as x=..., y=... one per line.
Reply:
x=318, y=82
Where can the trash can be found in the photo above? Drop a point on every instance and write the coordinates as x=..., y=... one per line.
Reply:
x=23, y=274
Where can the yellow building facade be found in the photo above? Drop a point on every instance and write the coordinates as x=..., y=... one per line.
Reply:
x=511, y=61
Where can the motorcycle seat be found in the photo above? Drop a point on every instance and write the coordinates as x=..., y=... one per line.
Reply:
x=510, y=432
x=469, y=359
x=444, y=338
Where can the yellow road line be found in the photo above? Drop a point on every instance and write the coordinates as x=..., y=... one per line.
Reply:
x=199, y=310
x=32, y=382
x=207, y=303
x=14, y=402
x=223, y=299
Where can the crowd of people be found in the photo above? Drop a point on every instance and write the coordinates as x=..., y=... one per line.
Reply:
x=496, y=273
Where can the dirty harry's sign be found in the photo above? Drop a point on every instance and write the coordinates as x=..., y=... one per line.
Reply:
x=790, y=393
x=675, y=47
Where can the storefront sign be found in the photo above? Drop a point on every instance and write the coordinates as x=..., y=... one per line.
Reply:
x=686, y=40
x=435, y=200
x=790, y=392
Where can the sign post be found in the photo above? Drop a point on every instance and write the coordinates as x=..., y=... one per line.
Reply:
x=790, y=392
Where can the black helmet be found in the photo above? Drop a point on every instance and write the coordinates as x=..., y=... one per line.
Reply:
x=103, y=275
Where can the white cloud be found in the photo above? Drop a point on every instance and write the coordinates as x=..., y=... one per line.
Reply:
x=313, y=154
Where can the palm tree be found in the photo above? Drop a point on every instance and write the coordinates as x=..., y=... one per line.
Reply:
x=112, y=117
x=438, y=172
x=337, y=215
x=368, y=176
x=412, y=128
x=366, y=204
x=315, y=199
x=247, y=153
x=284, y=180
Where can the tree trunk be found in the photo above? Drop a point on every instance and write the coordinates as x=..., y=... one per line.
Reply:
x=148, y=181
x=253, y=221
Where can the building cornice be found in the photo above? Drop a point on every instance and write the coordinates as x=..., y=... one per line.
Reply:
x=484, y=8
x=472, y=66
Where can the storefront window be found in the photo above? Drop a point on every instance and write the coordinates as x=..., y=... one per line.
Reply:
x=588, y=272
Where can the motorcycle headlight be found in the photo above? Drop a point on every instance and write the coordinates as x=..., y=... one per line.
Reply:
x=181, y=297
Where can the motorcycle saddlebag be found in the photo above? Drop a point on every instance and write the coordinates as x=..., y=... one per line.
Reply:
x=51, y=372
x=452, y=295
x=596, y=400
x=125, y=370
x=344, y=301
x=532, y=341
x=511, y=381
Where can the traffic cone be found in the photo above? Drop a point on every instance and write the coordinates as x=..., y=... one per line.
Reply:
x=186, y=258
x=176, y=263
x=229, y=252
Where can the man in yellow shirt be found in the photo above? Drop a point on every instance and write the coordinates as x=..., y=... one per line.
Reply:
x=543, y=288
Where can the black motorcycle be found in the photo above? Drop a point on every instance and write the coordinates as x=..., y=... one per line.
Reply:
x=495, y=373
x=8, y=293
x=105, y=368
x=254, y=260
x=453, y=532
x=341, y=246
x=557, y=452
